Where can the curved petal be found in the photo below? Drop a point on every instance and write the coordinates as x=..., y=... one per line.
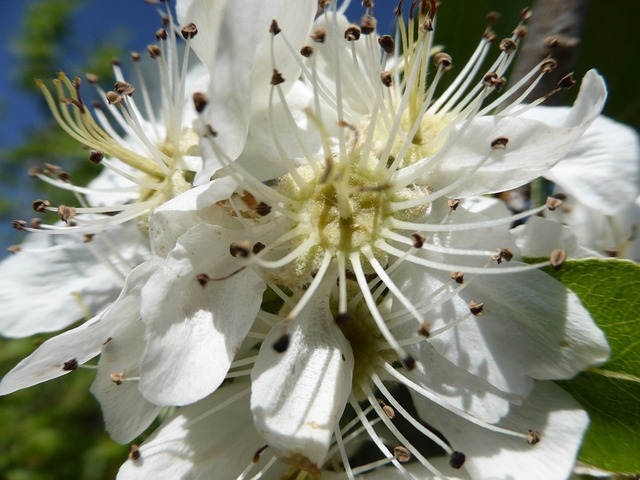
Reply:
x=214, y=438
x=194, y=330
x=602, y=170
x=57, y=280
x=490, y=455
x=533, y=146
x=126, y=412
x=80, y=344
x=297, y=397
x=234, y=43
x=175, y=217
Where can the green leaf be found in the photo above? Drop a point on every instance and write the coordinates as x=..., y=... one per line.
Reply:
x=610, y=290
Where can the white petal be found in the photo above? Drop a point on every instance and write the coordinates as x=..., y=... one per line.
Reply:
x=539, y=237
x=194, y=331
x=603, y=169
x=533, y=147
x=62, y=280
x=126, y=412
x=80, y=344
x=456, y=386
x=297, y=397
x=238, y=57
x=179, y=214
x=214, y=438
x=532, y=326
x=489, y=455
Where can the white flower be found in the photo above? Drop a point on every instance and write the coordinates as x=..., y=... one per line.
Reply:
x=379, y=275
x=73, y=268
x=600, y=177
x=117, y=332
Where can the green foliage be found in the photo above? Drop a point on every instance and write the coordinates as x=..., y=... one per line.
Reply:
x=610, y=289
x=53, y=430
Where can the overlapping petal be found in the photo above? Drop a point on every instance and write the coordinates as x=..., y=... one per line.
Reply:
x=298, y=396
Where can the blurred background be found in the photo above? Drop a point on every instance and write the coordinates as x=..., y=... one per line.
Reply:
x=55, y=430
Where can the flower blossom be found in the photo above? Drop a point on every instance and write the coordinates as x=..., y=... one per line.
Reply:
x=143, y=138
x=160, y=159
x=359, y=270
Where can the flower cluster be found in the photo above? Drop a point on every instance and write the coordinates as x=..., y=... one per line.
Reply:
x=326, y=292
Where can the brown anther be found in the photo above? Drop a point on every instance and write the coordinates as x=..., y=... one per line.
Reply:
x=263, y=209
x=567, y=82
x=306, y=51
x=425, y=329
x=352, y=33
x=386, y=78
x=189, y=31
x=154, y=51
x=276, y=78
x=443, y=60
x=96, y=156
x=64, y=176
x=554, y=202
x=240, y=249
x=34, y=171
x=282, y=343
x=557, y=258
x=92, y=78
x=489, y=35
x=342, y=318
x=458, y=277
x=117, y=378
x=35, y=223
x=387, y=44
x=165, y=18
x=505, y=254
x=552, y=42
x=199, y=101
x=493, y=17
x=490, y=79
x=20, y=225
x=40, y=205
x=402, y=454
x=88, y=237
x=66, y=213
x=508, y=45
x=161, y=34
x=525, y=15
x=258, y=247
x=499, y=143
x=274, y=28
x=318, y=35
x=258, y=454
x=135, y=56
x=533, y=437
x=14, y=249
x=113, y=98
x=409, y=363
x=453, y=203
x=124, y=88
x=521, y=31
x=548, y=66
x=418, y=239
x=457, y=459
x=203, y=279
x=134, y=452
x=367, y=3
x=368, y=24
x=115, y=62
x=70, y=365
x=476, y=308
x=50, y=168
x=389, y=411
